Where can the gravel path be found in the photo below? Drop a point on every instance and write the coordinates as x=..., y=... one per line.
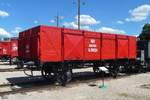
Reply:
x=135, y=87
x=6, y=65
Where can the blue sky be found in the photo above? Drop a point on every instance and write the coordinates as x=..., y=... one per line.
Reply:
x=122, y=16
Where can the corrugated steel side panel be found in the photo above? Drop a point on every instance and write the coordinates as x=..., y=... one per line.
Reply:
x=1, y=49
x=50, y=46
x=132, y=47
x=108, y=50
x=21, y=45
x=122, y=47
x=27, y=51
x=73, y=47
x=14, y=48
x=108, y=36
x=72, y=31
x=6, y=49
x=92, y=34
x=122, y=36
x=92, y=45
x=34, y=42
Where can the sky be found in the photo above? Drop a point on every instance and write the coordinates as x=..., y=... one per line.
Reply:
x=113, y=16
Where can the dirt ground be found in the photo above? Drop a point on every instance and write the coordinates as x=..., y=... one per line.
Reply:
x=134, y=87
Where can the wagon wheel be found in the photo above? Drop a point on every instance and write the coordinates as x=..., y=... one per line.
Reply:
x=69, y=75
x=20, y=64
x=10, y=61
x=64, y=77
x=46, y=73
x=147, y=67
x=96, y=70
x=61, y=78
x=114, y=74
x=114, y=71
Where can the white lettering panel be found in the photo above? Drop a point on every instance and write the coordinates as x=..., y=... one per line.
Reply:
x=92, y=47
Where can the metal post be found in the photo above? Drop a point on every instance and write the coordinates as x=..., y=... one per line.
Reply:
x=78, y=14
x=103, y=80
x=10, y=61
x=57, y=20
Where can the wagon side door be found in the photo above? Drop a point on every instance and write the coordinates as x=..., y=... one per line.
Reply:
x=14, y=48
x=50, y=44
x=92, y=45
x=108, y=47
x=73, y=45
x=34, y=42
x=122, y=47
x=132, y=47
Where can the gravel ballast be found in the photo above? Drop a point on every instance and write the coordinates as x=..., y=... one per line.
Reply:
x=134, y=87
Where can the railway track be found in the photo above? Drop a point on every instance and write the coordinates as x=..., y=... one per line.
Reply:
x=10, y=70
x=5, y=67
x=25, y=87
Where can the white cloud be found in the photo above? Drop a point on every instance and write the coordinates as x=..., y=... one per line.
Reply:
x=120, y=22
x=35, y=22
x=4, y=13
x=16, y=30
x=86, y=28
x=139, y=14
x=4, y=33
x=75, y=26
x=70, y=24
x=136, y=35
x=111, y=30
x=87, y=20
x=52, y=21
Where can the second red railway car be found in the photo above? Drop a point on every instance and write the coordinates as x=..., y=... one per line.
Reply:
x=4, y=49
x=9, y=49
x=58, y=50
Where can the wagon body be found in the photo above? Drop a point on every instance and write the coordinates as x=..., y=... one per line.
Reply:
x=56, y=51
x=9, y=48
x=6, y=50
x=52, y=44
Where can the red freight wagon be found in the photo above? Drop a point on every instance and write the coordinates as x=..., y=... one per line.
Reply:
x=14, y=48
x=9, y=49
x=58, y=50
x=6, y=48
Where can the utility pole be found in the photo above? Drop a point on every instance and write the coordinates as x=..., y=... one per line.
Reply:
x=57, y=20
x=79, y=14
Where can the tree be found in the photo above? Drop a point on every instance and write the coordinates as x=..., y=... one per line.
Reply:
x=145, y=35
